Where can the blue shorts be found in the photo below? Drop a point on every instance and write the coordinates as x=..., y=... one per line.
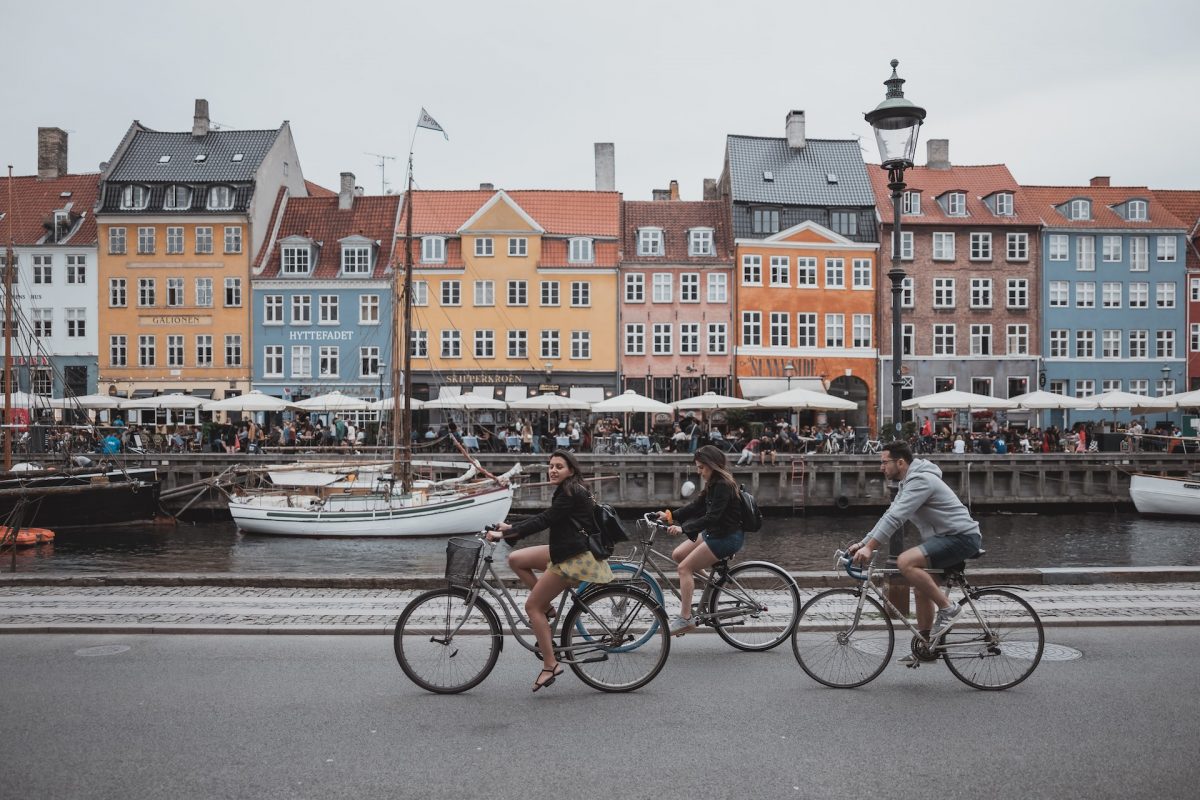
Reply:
x=725, y=546
x=945, y=551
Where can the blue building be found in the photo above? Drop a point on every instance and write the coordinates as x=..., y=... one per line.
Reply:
x=1114, y=308
x=322, y=289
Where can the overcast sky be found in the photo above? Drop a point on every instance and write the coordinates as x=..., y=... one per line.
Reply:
x=1060, y=91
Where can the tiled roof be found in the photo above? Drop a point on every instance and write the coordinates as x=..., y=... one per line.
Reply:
x=35, y=201
x=111, y=199
x=316, y=190
x=319, y=219
x=800, y=177
x=976, y=182
x=1046, y=198
x=560, y=213
x=141, y=160
x=676, y=218
x=1184, y=204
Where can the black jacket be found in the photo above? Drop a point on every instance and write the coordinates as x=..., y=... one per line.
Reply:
x=569, y=514
x=718, y=511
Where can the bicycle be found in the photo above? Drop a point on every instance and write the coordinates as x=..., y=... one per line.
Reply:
x=752, y=605
x=872, y=446
x=447, y=640
x=844, y=637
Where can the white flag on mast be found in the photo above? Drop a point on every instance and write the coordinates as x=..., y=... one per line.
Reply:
x=429, y=122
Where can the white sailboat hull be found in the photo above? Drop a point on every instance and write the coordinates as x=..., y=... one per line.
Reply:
x=1177, y=497
x=371, y=514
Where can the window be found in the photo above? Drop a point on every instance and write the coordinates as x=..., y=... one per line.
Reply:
x=956, y=204
x=751, y=328
x=1018, y=247
x=908, y=292
x=981, y=292
x=356, y=260
x=77, y=270
x=581, y=344
x=1004, y=204
x=220, y=198
x=273, y=361
x=43, y=270
x=1060, y=247
x=1060, y=293
x=1086, y=246
x=43, y=322
x=146, y=351
x=174, y=240
x=549, y=344
x=204, y=351
x=1194, y=337
x=146, y=292
x=1017, y=340
x=549, y=293
x=485, y=344
x=204, y=292
x=485, y=293
x=580, y=251
x=518, y=344
x=1111, y=248
x=1111, y=294
x=1164, y=295
x=861, y=330
x=662, y=282
x=145, y=241
x=752, y=270
x=1139, y=344
x=1164, y=344
x=174, y=351
x=118, y=351
x=204, y=239
x=662, y=345
x=806, y=329
x=296, y=260
x=912, y=203
x=1139, y=253
x=1058, y=387
x=718, y=287
x=806, y=272
x=419, y=343
x=862, y=273
x=943, y=292
x=451, y=293
x=1058, y=343
x=420, y=293
x=781, y=271
x=981, y=340
x=635, y=339
x=368, y=362
x=518, y=246
x=943, y=246
x=907, y=332
x=1135, y=211
x=581, y=294
x=484, y=247
x=835, y=330
x=635, y=287
x=135, y=198
x=233, y=292
x=844, y=222
x=700, y=242
x=1164, y=386
x=1194, y=289
x=981, y=246
x=1110, y=343
x=1166, y=248
x=764, y=220
x=233, y=238
x=1110, y=385
x=1085, y=344
x=835, y=273
x=174, y=291
x=1018, y=293
x=368, y=309
x=451, y=344
x=689, y=287
x=116, y=241
x=689, y=338
x=780, y=329
x=301, y=309
x=650, y=242
x=302, y=361
x=76, y=323
x=1085, y=294
x=718, y=339
x=1139, y=295
x=1139, y=386
x=1081, y=209
x=116, y=293
x=330, y=313
x=1085, y=388
x=906, y=245
x=943, y=340
x=433, y=249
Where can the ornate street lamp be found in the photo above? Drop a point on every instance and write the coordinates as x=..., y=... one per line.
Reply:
x=788, y=369
x=897, y=123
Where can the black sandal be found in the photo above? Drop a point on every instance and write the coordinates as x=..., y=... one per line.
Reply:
x=554, y=673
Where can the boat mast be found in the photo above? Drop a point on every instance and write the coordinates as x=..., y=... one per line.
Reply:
x=9, y=268
x=403, y=345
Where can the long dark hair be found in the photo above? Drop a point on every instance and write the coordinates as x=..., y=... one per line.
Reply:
x=574, y=482
x=714, y=458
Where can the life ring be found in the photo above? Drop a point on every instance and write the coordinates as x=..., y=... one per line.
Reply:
x=842, y=502
x=27, y=537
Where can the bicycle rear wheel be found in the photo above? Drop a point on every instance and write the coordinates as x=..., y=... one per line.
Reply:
x=600, y=627
x=439, y=644
x=838, y=647
x=999, y=647
x=767, y=603
x=626, y=574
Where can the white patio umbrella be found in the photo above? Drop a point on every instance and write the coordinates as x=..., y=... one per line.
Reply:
x=26, y=400
x=710, y=401
x=631, y=403
x=805, y=400
x=466, y=402
x=1183, y=399
x=88, y=401
x=962, y=401
x=1040, y=400
x=1116, y=400
x=253, y=400
x=549, y=402
x=388, y=404
x=333, y=401
x=174, y=400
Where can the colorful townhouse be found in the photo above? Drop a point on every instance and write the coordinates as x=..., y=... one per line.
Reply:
x=1185, y=205
x=1113, y=306
x=676, y=310
x=515, y=292
x=969, y=315
x=181, y=217
x=322, y=295
x=803, y=217
x=53, y=230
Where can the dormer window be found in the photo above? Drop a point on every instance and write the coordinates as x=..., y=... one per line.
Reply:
x=135, y=198
x=581, y=251
x=356, y=259
x=297, y=259
x=433, y=249
x=1081, y=209
x=912, y=203
x=650, y=242
x=700, y=242
x=1004, y=204
x=1135, y=211
x=177, y=198
x=220, y=198
x=956, y=204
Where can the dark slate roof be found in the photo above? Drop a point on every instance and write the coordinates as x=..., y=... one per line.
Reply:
x=110, y=200
x=140, y=161
x=800, y=176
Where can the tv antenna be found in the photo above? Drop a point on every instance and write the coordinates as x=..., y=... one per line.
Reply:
x=383, y=184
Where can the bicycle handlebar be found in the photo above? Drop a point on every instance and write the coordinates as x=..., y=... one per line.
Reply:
x=842, y=560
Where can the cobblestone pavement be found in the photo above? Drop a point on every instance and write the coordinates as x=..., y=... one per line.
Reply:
x=233, y=609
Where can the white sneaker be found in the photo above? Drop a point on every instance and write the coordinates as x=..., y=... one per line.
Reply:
x=680, y=626
x=945, y=618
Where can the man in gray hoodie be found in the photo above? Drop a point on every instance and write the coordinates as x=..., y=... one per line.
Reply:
x=948, y=533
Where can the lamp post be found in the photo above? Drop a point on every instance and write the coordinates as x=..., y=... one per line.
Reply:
x=897, y=123
x=382, y=369
x=788, y=369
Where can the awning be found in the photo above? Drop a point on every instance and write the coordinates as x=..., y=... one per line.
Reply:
x=205, y=393
x=139, y=393
x=448, y=391
x=484, y=391
x=755, y=388
x=512, y=393
x=588, y=394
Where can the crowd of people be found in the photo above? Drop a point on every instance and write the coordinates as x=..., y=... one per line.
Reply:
x=1082, y=437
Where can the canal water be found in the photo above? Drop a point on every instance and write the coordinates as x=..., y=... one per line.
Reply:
x=1105, y=539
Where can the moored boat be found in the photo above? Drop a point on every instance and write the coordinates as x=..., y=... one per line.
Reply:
x=1163, y=496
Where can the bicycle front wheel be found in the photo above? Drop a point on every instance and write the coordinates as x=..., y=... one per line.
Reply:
x=445, y=645
x=755, y=607
x=997, y=645
x=626, y=574
x=599, y=629
x=838, y=646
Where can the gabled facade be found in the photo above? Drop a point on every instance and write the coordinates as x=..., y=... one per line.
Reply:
x=969, y=245
x=1113, y=305
x=1185, y=205
x=676, y=310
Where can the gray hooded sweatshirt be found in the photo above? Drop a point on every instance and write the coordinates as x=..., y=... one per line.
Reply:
x=928, y=503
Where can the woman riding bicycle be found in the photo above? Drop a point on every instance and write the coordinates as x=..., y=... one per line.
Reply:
x=712, y=522
x=565, y=562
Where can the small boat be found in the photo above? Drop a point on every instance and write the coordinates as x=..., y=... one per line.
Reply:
x=26, y=537
x=1161, y=496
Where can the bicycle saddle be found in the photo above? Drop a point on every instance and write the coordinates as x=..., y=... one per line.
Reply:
x=962, y=565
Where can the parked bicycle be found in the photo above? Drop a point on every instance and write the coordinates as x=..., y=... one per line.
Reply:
x=752, y=605
x=448, y=640
x=872, y=446
x=844, y=637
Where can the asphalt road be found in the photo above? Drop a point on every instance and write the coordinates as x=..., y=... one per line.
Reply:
x=332, y=716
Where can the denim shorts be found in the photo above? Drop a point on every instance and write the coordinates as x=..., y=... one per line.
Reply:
x=945, y=551
x=725, y=546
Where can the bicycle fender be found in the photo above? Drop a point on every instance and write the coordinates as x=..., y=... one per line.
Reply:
x=741, y=564
x=596, y=587
x=975, y=590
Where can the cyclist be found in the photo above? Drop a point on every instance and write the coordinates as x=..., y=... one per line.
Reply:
x=565, y=562
x=948, y=534
x=713, y=524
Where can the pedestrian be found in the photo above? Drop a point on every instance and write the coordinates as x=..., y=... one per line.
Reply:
x=748, y=452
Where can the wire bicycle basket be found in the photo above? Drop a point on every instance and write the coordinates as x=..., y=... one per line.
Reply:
x=462, y=561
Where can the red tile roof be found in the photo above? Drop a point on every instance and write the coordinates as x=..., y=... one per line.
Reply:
x=976, y=182
x=319, y=219
x=1045, y=198
x=560, y=213
x=676, y=218
x=316, y=190
x=1184, y=204
x=35, y=200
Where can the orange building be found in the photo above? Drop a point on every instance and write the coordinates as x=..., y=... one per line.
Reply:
x=805, y=300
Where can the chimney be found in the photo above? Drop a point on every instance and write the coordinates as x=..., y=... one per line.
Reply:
x=710, y=189
x=937, y=154
x=1099, y=180
x=795, y=130
x=674, y=190
x=346, y=192
x=52, y=152
x=606, y=167
x=660, y=194
x=200, y=119
x=487, y=187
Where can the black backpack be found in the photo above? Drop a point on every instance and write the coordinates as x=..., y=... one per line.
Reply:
x=609, y=531
x=752, y=518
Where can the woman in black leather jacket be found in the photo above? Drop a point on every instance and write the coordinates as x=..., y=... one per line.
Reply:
x=713, y=524
x=565, y=562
